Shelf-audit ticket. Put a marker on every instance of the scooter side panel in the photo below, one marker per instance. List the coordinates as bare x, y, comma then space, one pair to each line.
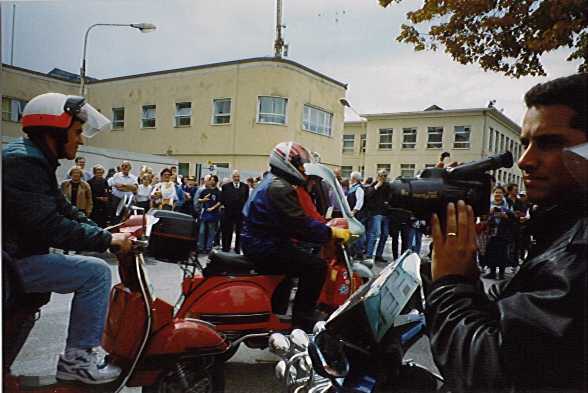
237, 295
186, 336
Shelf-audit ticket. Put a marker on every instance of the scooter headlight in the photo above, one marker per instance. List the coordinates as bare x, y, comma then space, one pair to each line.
299, 339
279, 344
280, 370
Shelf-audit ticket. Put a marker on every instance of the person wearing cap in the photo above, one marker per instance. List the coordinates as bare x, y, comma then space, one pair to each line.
37, 216
528, 334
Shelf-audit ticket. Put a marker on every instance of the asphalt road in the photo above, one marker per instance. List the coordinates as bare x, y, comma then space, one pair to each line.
250, 370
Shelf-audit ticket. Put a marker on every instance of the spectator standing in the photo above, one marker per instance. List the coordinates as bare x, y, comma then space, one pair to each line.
143, 195
233, 197
78, 191
179, 192
377, 206
100, 197
81, 163
400, 225
500, 234
520, 211
163, 195
210, 200
356, 199
123, 184
441, 162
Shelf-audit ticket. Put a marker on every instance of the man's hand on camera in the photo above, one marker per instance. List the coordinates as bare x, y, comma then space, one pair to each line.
121, 242
454, 251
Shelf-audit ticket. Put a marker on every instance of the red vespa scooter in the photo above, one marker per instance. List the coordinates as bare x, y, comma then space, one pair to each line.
232, 295
155, 349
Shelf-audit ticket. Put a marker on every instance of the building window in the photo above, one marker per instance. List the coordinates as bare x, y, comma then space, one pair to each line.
427, 166
118, 118
183, 114
148, 119
511, 146
221, 164
362, 143
435, 137
407, 170
346, 171
184, 168
383, 166
348, 142
362, 170
272, 110
461, 137
409, 136
317, 121
221, 111
491, 140
12, 109
385, 138
501, 150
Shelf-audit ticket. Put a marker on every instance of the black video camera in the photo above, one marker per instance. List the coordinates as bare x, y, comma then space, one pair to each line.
436, 187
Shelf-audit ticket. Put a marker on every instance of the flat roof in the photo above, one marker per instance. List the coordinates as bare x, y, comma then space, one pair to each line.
197, 67
434, 113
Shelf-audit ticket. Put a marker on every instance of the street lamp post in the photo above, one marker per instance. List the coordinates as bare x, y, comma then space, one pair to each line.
363, 120
143, 27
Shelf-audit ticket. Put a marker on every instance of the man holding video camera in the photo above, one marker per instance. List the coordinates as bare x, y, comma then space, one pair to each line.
529, 333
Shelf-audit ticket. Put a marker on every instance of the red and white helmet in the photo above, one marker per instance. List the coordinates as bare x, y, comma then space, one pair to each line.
289, 157
56, 110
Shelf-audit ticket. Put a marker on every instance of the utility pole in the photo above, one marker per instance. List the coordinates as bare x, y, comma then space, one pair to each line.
279, 45
12, 39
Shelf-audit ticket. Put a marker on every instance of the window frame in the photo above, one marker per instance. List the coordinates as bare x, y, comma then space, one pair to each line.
380, 135
469, 141
405, 144
412, 167
143, 118
348, 150
259, 113
362, 143
216, 115
387, 167
115, 121
429, 133
179, 117
346, 170
9, 116
329, 121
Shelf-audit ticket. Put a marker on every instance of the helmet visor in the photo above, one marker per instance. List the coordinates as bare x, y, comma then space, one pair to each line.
575, 159
94, 121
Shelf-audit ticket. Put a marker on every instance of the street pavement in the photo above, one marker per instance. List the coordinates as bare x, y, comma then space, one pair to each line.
250, 370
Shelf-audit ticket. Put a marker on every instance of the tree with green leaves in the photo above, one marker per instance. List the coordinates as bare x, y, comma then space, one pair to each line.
507, 36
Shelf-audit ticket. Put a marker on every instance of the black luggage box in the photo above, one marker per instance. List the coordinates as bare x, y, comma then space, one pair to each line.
173, 237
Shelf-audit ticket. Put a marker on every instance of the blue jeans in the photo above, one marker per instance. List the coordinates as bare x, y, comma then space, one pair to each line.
415, 239
377, 232
88, 278
206, 235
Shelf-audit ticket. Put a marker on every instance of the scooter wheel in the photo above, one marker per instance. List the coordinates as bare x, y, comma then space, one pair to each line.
191, 378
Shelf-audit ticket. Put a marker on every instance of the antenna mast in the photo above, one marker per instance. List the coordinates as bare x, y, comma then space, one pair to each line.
279, 45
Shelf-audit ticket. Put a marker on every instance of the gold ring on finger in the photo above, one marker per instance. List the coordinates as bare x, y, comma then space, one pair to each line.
451, 234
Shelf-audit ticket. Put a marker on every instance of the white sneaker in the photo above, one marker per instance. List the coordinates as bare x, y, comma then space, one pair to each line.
85, 366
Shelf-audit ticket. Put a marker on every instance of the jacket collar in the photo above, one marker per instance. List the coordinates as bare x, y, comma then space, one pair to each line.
48, 154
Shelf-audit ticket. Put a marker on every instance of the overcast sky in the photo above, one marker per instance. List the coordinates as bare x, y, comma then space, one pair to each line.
352, 41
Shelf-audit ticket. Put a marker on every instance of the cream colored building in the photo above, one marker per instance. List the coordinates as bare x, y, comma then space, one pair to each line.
405, 143
231, 114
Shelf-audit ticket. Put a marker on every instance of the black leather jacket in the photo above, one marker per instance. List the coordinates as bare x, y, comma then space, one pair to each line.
529, 333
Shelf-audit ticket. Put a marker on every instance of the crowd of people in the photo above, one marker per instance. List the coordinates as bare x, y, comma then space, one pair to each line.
215, 205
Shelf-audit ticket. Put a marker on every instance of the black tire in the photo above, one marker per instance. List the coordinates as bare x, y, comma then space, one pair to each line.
225, 356
200, 380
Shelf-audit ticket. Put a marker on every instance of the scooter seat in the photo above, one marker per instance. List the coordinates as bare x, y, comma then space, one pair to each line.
226, 263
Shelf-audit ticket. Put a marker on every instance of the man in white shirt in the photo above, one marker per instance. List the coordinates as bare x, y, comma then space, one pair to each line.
355, 198
123, 183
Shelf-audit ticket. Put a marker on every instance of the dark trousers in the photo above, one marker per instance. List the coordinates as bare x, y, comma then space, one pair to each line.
404, 231
230, 224
309, 269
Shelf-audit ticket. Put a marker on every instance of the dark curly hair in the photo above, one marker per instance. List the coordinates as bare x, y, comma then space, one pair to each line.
571, 91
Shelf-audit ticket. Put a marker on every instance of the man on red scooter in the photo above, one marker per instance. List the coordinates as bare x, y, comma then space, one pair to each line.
272, 217
36, 216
